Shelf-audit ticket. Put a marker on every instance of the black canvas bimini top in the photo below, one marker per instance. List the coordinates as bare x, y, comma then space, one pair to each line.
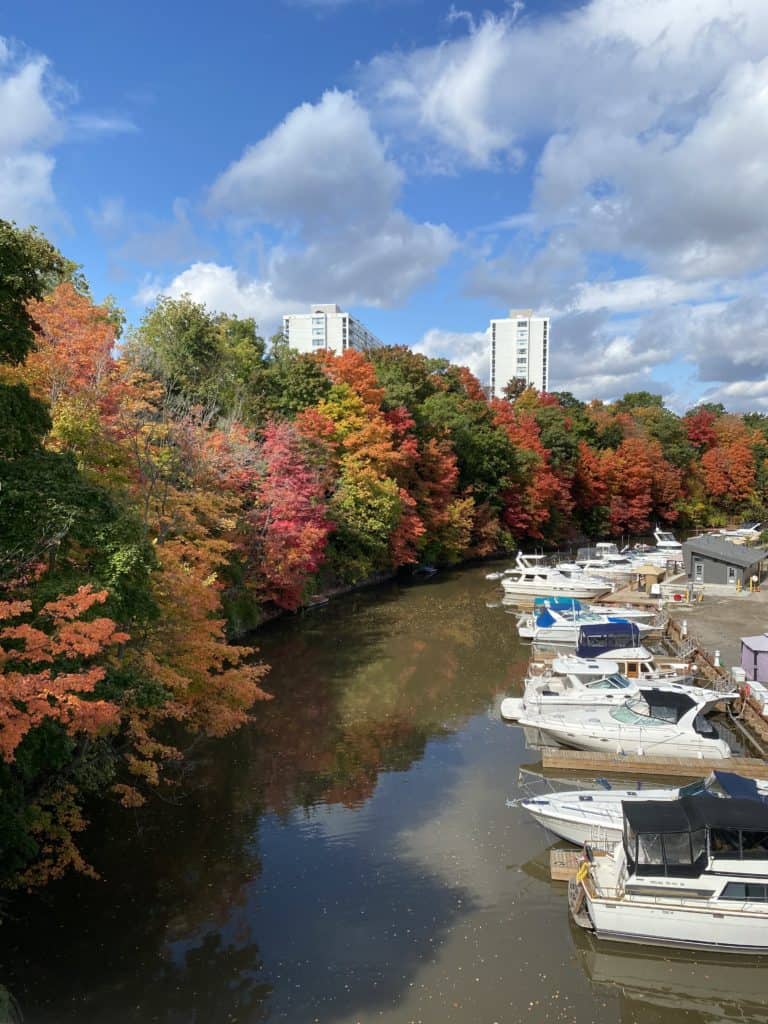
691, 813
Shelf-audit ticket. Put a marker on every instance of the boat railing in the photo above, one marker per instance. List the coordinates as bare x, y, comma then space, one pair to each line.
673, 900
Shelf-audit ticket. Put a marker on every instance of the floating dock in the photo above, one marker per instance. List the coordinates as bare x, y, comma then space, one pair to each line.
563, 864
688, 767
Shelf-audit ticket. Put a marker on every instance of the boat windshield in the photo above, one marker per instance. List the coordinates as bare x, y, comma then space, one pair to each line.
665, 538
626, 716
614, 682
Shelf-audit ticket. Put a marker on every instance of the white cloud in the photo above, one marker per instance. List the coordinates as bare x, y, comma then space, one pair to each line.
358, 266
322, 167
644, 124
223, 290
35, 117
29, 126
471, 348
323, 181
639, 293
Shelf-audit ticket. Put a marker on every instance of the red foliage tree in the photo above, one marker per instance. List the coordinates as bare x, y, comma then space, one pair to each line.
700, 428
289, 518
528, 506
729, 474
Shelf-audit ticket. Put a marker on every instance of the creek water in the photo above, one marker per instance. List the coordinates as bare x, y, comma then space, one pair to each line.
349, 857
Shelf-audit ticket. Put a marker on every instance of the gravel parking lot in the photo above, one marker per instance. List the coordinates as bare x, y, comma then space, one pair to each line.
723, 617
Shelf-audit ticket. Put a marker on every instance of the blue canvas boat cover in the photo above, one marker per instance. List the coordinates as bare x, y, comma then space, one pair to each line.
739, 787
544, 620
600, 638
559, 604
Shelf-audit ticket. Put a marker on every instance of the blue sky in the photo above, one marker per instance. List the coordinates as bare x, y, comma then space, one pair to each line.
426, 165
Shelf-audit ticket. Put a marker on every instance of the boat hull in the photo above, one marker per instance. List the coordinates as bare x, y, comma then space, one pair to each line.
534, 589
576, 832
678, 926
629, 742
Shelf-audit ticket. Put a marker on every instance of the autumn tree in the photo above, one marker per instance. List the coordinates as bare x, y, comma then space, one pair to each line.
289, 519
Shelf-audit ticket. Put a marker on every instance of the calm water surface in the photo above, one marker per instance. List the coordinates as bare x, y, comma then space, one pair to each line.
350, 857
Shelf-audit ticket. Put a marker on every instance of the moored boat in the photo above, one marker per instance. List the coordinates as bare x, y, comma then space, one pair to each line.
595, 815
531, 577
553, 626
691, 873
657, 726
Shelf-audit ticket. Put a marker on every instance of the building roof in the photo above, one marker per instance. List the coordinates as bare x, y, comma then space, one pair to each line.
725, 551
756, 643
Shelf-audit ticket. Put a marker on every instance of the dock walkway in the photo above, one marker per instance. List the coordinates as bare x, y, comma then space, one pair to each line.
687, 767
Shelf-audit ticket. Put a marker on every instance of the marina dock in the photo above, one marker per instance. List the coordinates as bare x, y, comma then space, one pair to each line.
686, 767
563, 864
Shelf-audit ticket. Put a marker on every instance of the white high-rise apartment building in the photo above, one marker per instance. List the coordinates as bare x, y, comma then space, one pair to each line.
519, 348
326, 328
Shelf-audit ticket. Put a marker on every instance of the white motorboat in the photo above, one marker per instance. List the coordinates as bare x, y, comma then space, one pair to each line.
603, 568
632, 662
532, 577
691, 873
595, 815
573, 604
561, 692
667, 543
623, 611
551, 626
643, 726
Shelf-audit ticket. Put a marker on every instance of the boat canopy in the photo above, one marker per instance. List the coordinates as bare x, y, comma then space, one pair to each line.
559, 604
739, 787
671, 837
545, 619
600, 638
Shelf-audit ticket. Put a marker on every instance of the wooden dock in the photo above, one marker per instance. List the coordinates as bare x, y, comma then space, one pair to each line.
563, 864
688, 767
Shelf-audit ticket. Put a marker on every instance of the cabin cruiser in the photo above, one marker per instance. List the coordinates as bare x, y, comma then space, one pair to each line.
615, 570
595, 816
691, 872
666, 543
564, 693
623, 611
632, 662
659, 724
550, 626
532, 576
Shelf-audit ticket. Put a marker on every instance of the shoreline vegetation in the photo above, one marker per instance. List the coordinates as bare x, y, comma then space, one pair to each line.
166, 488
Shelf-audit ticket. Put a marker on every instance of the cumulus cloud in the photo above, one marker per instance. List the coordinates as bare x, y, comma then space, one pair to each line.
470, 348
36, 116
29, 127
322, 166
641, 126
323, 181
223, 290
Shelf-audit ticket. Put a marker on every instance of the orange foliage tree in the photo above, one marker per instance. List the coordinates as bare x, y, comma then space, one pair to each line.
50, 667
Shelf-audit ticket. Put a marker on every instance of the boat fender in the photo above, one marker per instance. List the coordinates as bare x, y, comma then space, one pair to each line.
677, 597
